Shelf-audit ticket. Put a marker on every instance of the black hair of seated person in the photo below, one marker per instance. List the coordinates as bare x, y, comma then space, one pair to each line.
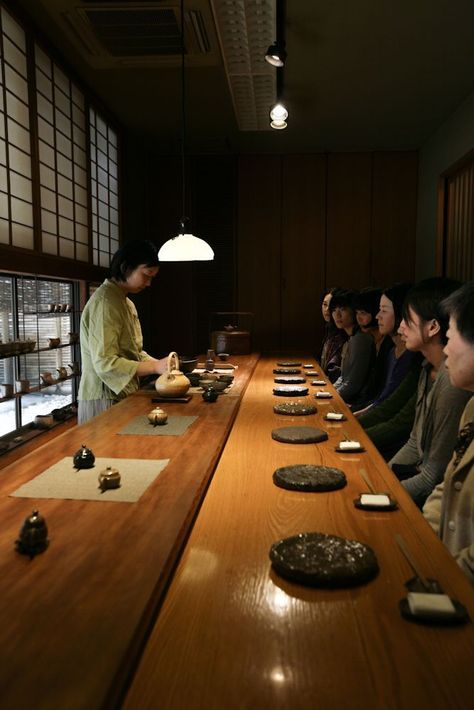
331, 326
460, 306
343, 297
397, 294
368, 300
130, 256
425, 299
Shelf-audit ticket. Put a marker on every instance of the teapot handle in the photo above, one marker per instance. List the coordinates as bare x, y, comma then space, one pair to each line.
173, 356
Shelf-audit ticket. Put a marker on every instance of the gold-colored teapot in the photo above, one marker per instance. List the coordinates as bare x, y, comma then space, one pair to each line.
157, 416
172, 383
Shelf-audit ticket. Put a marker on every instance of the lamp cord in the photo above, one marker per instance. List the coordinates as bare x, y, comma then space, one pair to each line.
183, 121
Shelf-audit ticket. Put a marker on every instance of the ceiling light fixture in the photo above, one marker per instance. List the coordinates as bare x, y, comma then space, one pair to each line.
185, 246
276, 55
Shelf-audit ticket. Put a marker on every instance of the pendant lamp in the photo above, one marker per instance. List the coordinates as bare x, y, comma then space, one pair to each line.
185, 246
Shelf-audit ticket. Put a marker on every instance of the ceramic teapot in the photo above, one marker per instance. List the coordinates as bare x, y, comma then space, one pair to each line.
157, 416
33, 537
109, 478
62, 371
54, 342
83, 458
172, 383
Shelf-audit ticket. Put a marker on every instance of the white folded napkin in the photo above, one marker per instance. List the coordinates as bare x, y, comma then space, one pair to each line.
349, 445
377, 499
337, 416
323, 395
423, 603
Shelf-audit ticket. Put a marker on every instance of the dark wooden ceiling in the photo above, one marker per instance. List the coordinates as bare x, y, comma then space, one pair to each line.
365, 75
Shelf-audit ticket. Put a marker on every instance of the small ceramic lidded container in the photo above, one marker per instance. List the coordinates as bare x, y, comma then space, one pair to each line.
54, 342
109, 478
83, 458
172, 383
157, 416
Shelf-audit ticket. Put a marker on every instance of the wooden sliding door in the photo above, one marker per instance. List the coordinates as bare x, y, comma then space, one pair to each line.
456, 221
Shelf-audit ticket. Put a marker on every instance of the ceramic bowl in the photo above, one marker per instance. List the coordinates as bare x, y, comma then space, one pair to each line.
187, 363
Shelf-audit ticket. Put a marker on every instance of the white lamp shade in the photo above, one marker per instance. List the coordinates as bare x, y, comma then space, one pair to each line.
185, 247
278, 113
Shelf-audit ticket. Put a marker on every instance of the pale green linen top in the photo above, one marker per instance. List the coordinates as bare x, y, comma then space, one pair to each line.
111, 345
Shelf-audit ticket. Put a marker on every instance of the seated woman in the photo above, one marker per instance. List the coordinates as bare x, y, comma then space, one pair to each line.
389, 423
450, 508
420, 464
357, 352
367, 304
333, 340
399, 359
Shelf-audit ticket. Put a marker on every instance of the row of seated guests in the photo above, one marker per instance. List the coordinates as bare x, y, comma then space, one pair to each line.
391, 369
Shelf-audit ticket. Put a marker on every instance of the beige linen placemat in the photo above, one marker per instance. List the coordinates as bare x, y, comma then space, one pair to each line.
62, 480
175, 426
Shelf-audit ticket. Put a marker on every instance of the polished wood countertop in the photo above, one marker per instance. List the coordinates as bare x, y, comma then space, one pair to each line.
232, 634
74, 619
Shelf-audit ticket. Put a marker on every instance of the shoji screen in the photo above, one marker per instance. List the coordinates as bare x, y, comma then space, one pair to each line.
63, 161
104, 189
16, 210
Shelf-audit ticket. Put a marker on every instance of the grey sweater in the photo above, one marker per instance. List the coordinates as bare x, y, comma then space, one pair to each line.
438, 410
357, 357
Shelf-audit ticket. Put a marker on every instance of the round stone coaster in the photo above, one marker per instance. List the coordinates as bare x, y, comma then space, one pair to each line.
299, 435
289, 380
290, 390
306, 477
320, 560
296, 408
287, 371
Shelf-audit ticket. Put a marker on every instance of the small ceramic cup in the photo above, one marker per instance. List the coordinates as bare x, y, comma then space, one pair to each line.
22, 386
6, 389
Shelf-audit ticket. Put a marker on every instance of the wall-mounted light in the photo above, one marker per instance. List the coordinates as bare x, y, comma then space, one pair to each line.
185, 246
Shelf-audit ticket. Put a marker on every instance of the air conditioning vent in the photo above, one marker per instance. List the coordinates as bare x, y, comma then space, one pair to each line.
126, 33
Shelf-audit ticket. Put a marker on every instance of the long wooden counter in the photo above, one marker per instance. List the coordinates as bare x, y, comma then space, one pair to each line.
75, 618
233, 634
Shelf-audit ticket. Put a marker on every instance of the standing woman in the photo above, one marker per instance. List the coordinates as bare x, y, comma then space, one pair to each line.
333, 341
112, 352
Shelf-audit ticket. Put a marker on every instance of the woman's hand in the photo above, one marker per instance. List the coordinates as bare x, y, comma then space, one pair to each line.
152, 366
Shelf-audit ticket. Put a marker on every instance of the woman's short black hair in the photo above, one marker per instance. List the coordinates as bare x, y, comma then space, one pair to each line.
397, 294
343, 297
368, 300
130, 256
460, 305
425, 300
332, 290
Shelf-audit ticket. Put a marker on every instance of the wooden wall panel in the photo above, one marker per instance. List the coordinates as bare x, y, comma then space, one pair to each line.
348, 219
259, 246
394, 195
303, 250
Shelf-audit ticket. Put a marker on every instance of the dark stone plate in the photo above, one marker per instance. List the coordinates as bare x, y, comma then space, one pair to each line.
289, 379
288, 364
320, 560
287, 371
296, 408
290, 391
306, 477
299, 435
